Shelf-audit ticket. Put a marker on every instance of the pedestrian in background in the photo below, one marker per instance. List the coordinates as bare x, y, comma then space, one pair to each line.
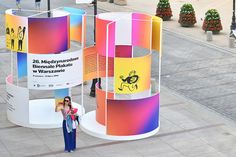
18, 4
37, 4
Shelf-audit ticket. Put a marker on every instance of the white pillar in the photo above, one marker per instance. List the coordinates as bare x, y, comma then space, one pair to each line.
209, 35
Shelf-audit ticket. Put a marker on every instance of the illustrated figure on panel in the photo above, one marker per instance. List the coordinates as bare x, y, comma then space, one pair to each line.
20, 36
69, 124
12, 35
8, 38
130, 81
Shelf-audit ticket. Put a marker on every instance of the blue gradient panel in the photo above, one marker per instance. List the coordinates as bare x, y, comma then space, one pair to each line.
21, 64
75, 15
61, 93
76, 20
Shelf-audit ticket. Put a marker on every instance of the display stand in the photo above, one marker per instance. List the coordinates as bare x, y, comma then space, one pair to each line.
45, 61
126, 107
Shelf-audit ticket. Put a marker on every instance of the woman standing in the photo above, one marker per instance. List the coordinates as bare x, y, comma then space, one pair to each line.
69, 131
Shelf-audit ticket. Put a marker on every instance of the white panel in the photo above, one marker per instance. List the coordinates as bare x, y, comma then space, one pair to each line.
59, 13
124, 30
18, 103
55, 71
43, 115
83, 1
114, 16
123, 26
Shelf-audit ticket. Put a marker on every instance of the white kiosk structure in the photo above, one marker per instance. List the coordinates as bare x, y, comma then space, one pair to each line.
44, 60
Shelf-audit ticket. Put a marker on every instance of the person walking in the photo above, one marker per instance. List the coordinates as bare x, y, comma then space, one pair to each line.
37, 4
69, 130
18, 4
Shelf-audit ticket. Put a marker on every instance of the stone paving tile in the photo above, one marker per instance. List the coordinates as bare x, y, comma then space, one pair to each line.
4, 123
53, 155
104, 152
167, 99
218, 138
12, 144
29, 150
197, 151
183, 118
2, 147
17, 134
2, 100
167, 154
167, 126
213, 154
92, 141
5, 154
230, 153
45, 133
56, 143
83, 153
151, 146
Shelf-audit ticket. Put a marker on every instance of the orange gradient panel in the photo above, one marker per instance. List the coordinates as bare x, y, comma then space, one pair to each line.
91, 70
90, 63
100, 101
16, 33
141, 30
101, 25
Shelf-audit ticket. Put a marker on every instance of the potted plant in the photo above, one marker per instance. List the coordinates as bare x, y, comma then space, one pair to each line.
212, 21
187, 16
163, 10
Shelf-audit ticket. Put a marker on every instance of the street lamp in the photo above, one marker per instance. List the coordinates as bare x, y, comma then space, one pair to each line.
233, 24
49, 8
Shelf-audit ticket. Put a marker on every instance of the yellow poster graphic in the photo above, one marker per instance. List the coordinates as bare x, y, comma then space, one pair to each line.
132, 75
156, 33
16, 33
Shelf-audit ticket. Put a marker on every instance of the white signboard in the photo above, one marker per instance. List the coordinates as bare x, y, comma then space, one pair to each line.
55, 71
18, 103
83, 1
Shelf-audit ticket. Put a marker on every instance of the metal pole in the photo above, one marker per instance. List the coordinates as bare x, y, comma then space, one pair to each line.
49, 8
233, 24
95, 80
95, 13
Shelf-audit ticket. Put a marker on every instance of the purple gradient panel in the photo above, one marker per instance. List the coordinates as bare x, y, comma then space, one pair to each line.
49, 35
132, 117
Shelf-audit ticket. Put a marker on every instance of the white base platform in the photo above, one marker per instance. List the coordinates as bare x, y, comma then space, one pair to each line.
42, 114
90, 126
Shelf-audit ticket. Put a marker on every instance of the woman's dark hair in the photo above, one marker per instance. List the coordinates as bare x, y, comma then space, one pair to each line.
67, 97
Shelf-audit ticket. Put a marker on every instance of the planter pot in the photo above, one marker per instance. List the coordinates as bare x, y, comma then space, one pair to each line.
120, 2
166, 18
186, 25
215, 32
